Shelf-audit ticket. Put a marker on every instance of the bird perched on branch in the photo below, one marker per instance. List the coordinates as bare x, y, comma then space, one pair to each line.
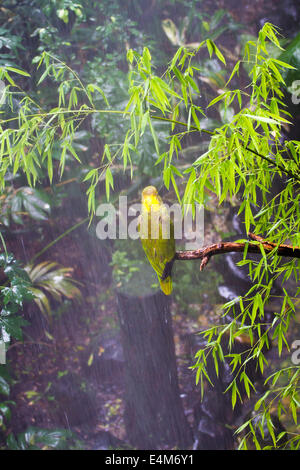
157, 236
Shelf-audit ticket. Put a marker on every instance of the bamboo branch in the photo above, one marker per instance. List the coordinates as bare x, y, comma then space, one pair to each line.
232, 247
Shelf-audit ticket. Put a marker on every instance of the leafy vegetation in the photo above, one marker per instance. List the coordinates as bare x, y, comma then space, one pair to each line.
14, 292
40, 439
48, 278
242, 158
81, 123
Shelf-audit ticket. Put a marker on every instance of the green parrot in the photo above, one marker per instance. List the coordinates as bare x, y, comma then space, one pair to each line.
159, 250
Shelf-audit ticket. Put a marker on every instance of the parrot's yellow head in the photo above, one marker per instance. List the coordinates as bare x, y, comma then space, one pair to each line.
150, 197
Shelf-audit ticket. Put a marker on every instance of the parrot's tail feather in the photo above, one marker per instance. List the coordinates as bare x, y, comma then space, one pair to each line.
166, 285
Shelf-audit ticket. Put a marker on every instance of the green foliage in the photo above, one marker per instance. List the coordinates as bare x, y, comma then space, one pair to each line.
198, 24
10, 42
128, 263
123, 268
14, 293
5, 403
184, 280
283, 390
291, 55
242, 159
24, 284
40, 439
49, 120
48, 278
242, 155
31, 202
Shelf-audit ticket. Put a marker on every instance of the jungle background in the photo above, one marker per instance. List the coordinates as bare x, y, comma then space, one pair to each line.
64, 383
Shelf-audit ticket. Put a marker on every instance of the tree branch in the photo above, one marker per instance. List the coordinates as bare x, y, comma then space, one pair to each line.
276, 165
232, 247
